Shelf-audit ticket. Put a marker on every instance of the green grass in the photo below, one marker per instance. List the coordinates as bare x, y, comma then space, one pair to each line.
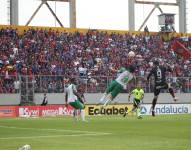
171, 132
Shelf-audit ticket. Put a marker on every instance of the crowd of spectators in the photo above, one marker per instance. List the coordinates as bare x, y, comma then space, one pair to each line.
49, 58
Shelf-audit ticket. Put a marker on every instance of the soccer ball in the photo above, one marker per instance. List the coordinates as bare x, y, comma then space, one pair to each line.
131, 54
25, 147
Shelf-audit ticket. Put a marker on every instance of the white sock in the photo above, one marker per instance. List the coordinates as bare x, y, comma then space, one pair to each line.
106, 102
103, 98
76, 114
134, 109
83, 114
138, 112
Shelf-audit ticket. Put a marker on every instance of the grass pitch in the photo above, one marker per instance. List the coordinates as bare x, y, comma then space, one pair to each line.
171, 132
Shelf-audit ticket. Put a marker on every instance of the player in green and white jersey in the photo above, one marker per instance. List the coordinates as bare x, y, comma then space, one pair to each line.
74, 99
118, 85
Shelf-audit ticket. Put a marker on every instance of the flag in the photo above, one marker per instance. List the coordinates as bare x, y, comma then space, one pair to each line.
181, 50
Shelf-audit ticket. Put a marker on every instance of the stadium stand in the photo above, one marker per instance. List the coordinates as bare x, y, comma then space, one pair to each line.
50, 56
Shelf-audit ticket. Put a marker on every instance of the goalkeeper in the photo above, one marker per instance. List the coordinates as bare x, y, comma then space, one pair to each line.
138, 94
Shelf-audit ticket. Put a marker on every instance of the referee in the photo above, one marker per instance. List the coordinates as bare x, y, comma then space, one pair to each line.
138, 94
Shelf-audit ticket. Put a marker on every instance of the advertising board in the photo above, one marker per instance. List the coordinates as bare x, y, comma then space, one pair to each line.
8, 111
164, 109
117, 109
45, 111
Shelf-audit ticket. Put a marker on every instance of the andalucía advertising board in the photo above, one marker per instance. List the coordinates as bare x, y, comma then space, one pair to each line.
163, 109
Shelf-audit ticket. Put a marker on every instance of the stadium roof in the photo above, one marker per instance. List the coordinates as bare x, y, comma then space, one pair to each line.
57, 0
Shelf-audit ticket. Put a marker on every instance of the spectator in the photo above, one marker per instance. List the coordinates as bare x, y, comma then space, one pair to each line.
45, 100
48, 53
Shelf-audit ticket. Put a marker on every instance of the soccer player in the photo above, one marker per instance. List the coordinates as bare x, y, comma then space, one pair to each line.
117, 85
74, 99
138, 94
159, 73
45, 100
81, 91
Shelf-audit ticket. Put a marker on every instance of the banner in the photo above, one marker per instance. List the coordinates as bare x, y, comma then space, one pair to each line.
118, 109
181, 50
45, 111
164, 109
8, 111
91, 110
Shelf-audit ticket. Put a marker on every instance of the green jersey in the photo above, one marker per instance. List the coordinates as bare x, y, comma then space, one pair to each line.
124, 78
70, 90
138, 94
121, 70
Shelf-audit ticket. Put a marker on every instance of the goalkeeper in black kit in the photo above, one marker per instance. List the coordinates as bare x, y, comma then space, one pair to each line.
159, 73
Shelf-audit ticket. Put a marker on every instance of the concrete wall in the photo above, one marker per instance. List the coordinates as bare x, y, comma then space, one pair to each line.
14, 99
9, 99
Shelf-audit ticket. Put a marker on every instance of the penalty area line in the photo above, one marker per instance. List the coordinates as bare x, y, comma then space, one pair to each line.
54, 136
57, 130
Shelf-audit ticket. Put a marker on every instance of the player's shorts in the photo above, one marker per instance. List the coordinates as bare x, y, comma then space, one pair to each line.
114, 88
77, 105
136, 102
159, 86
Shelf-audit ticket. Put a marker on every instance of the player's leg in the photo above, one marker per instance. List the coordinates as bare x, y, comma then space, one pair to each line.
117, 88
139, 111
136, 104
43, 103
82, 113
46, 103
171, 91
136, 107
108, 90
131, 110
75, 113
102, 98
81, 107
156, 93
108, 99
154, 104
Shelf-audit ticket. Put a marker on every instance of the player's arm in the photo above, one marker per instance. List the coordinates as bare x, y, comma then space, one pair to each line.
76, 93
150, 74
83, 98
130, 95
143, 95
133, 79
122, 69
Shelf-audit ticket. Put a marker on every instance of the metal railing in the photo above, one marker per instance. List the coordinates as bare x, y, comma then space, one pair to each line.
94, 84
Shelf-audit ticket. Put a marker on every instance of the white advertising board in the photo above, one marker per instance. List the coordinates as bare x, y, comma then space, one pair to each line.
163, 109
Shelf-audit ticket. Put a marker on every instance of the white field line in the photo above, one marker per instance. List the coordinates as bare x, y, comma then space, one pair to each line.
60, 130
83, 133
53, 136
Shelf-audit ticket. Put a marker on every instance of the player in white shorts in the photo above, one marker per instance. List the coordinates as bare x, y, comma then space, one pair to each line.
74, 99
117, 85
